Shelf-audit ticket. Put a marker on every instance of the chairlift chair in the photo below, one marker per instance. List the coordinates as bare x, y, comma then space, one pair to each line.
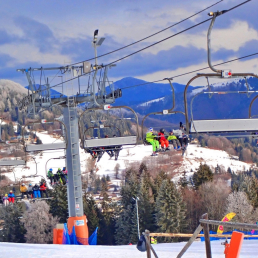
244, 127
108, 142
44, 147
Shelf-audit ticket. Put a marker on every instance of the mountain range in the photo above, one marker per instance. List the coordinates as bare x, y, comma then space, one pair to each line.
146, 97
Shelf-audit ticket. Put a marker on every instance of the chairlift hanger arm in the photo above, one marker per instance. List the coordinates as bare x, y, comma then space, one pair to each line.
250, 106
214, 16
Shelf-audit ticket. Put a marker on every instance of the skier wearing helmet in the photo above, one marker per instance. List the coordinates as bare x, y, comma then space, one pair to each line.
30, 191
50, 176
23, 190
150, 138
5, 200
162, 139
11, 197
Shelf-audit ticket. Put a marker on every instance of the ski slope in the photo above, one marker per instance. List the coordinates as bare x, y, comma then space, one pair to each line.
194, 156
197, 250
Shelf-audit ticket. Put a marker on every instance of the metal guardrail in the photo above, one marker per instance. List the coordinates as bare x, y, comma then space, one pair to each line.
204, 225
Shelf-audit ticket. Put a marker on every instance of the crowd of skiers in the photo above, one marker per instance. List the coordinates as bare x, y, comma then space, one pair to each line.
60, 177
160, 141
36, 191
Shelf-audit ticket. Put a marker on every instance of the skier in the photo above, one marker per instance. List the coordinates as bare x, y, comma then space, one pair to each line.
51, 176
173, 139
59, 177
43, 189
36, 191
117, 149
150, 138
162, 139
64, 171
11, 197
185, 143
109, 150
30, 191
24, 190
5, 200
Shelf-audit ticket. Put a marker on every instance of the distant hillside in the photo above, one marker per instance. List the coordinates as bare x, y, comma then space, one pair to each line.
156, 97
10, 93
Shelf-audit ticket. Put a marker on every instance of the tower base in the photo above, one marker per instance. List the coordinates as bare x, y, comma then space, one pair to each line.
81, 228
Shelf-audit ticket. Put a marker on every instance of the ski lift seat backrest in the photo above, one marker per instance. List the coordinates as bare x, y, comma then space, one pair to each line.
13, 162
45, 147
224, 125
104, 142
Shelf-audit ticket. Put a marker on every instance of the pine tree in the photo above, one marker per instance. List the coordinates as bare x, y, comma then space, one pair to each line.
126, 226
107, 221
92, 212
59, 203
170, 209
203, 174
183, 182
12, 228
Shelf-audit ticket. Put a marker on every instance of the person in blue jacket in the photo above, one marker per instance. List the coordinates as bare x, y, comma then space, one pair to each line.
36, 191
11, 197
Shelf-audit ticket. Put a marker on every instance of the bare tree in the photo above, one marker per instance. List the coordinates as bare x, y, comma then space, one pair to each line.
39, 223
214, 198
116, 168
238, 202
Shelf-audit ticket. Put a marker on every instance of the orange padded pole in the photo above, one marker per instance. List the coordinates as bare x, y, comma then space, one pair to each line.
57, 236
235, 245
81, 228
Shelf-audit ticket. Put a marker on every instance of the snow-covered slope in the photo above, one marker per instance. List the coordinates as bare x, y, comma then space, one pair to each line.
197, 250
194, 156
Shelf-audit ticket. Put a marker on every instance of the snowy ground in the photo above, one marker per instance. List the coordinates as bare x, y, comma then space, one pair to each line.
197, 250
194, 156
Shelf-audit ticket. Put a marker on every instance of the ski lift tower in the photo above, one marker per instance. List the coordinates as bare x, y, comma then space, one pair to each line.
39, 97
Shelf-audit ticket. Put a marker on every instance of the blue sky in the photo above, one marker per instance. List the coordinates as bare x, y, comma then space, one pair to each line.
57, 32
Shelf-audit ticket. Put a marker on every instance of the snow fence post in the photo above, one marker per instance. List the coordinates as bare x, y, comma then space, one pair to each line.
206, 236
147, 237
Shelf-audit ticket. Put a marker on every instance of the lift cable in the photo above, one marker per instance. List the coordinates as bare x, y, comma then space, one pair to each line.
179, 75
151, 44
154, 34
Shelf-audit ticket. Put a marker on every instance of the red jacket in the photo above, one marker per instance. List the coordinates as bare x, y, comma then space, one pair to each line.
161, 137
43, 187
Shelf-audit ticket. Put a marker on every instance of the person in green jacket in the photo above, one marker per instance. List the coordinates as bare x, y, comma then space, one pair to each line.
173, 139
150, 137
51, 176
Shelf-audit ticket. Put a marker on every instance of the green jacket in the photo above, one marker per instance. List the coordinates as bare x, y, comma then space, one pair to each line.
150, 136
171, 137
50, 174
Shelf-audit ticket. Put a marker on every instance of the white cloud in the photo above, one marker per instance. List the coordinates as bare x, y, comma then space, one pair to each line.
248, 66
23, 53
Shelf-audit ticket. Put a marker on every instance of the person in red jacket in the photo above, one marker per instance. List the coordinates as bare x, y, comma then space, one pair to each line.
43, 189
162, 140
